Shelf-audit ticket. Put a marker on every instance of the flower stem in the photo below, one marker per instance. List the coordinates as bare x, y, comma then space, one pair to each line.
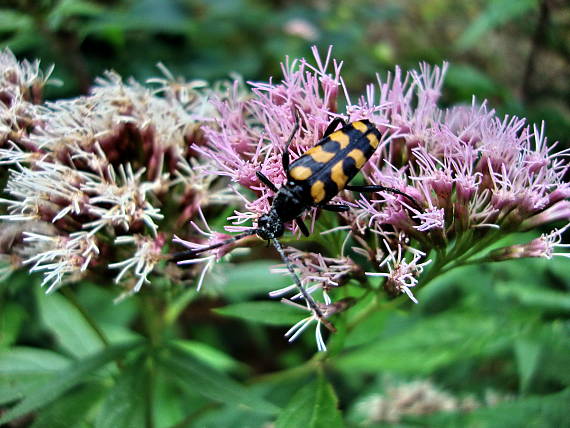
151, 321
178, 305
148, 393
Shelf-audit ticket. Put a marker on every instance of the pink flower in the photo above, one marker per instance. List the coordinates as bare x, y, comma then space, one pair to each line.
451, 177
148, 253
327, 309
543, 247
316, 272
402, 274
213, 239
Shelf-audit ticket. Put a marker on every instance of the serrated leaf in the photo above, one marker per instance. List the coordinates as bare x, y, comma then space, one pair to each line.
124, 406
314, 406
197, 377
62, 380
24, 369
71, 410
269, 313
69, 327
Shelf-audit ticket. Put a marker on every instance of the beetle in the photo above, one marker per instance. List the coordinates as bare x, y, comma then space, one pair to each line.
313, 179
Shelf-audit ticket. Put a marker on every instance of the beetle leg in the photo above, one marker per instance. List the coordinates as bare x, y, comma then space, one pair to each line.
377, 188
310, 301
338, 208
332, 126
285, 156
265, 180
302, 226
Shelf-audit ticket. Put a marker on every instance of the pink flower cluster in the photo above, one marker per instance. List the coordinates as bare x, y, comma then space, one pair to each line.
476, 177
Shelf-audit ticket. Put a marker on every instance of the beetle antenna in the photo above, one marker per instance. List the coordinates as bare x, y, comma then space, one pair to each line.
310, 301
176, 257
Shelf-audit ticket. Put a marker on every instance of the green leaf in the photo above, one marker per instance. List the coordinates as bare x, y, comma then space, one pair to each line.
24, 369
248, 279
498, 12
193, 375
370, 329
11, 317
561, 268
226, 416
125, 404
314, 406
528, 358
537, 412
169, 405
98, 302
554, 338
430, 343
28, 360
269, 313
144, 16
211, 356
71, 409
535, 297
66, 9
68, 325
12, 21
465, 80
63, 380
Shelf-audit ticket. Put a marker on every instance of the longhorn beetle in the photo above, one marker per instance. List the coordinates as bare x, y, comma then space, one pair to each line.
313, 180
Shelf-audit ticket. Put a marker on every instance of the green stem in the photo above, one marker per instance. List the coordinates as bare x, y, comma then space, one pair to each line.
152, 322
68, 293
436, 268
376, 305
485, 242
364, 313
154, 325
148, 395
178, 305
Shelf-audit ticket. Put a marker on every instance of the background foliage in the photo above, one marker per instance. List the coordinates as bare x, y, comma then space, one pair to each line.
490, 339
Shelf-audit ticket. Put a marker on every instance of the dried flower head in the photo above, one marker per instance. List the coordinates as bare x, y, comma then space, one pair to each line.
98, 169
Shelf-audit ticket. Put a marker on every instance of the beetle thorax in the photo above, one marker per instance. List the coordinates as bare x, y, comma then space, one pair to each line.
289, 202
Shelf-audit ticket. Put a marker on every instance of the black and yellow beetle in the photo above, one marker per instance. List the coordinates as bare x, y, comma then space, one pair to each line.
313, 180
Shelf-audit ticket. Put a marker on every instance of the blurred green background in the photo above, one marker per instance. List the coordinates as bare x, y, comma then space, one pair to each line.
502, 328
516, 53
